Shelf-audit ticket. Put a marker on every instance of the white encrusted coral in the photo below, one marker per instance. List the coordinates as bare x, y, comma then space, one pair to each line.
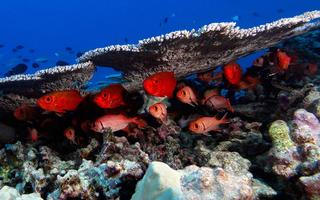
187, 52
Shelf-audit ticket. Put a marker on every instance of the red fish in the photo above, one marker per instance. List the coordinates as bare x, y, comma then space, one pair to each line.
85, 126
248, 82
115, 122
232, 73
311, 69
60, 101
70, 134
111, 96
203, 125
159, 111
294, 59
205, 77
209, 93
26, 113
258, 62
160, 84
187, 95
218, 103
33, 134
208, 77
283, 60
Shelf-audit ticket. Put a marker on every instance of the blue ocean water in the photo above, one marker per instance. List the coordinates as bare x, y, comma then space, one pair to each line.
46, 28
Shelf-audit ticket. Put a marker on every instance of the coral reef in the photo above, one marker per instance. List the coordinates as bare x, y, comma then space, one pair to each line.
187, 52
9, 193
24, 167
119, 164
306, 46
266, 145
7, 134
162, 182
107, 177
311, 185
24, 89
295, 149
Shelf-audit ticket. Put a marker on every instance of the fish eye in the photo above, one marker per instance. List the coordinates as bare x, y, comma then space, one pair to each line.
196, 125
184, 93
104, 95
156, 108
48, 99
155, 81
68, 133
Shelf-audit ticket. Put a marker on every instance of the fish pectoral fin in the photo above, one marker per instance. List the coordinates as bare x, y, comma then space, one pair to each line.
59, 114
126, 129
219, 130
207, 134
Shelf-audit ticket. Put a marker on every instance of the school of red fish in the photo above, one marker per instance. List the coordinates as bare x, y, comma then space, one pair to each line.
111, 108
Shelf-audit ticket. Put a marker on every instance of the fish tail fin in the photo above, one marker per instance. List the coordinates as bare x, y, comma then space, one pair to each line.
140, 122
229, 106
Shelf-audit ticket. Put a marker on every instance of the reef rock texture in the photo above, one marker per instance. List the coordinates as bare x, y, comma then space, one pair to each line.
23, 89
295, 151
188, 52
26, 167
311, 185
114, 173
162, 182
84, 182
7, 134
9, 193
306, 46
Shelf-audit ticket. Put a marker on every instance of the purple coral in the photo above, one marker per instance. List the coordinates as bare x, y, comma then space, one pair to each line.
306, 127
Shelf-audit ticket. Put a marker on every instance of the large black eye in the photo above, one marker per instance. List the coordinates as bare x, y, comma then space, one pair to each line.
196, 125
104, 95
184, 93
156, 108
48, 99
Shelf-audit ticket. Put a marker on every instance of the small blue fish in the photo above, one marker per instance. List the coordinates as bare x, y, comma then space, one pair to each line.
235, 18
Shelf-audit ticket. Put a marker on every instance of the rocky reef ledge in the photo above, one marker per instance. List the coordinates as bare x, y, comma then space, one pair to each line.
188, 52
184, 52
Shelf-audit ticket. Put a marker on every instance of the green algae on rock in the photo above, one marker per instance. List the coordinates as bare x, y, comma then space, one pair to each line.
279, 133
